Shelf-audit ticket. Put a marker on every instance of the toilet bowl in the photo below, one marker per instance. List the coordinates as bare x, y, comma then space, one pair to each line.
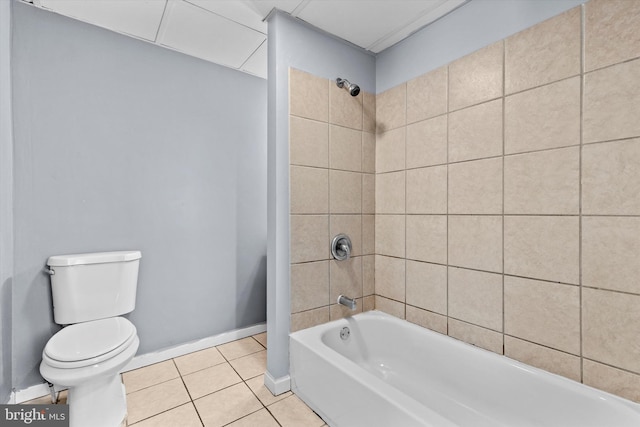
87, 358
90, 294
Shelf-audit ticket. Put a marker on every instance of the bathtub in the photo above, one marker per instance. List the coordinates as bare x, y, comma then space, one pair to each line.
390, 373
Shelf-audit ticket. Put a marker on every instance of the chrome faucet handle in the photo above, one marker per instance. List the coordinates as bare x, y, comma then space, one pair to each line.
341, 247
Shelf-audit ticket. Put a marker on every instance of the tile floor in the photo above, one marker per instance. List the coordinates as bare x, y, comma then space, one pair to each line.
215, 387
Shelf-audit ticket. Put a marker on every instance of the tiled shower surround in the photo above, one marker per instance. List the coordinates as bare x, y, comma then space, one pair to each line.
507, 197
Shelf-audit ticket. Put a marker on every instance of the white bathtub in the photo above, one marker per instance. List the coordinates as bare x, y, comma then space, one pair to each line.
391, 373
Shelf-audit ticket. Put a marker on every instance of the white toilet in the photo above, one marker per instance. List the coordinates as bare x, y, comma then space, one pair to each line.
89, 292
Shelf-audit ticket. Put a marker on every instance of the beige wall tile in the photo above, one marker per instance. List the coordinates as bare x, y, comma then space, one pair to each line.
344, 109
309, 285
427, 142
368, 234
351, 225
541, 357
613, 380
542, 247
308, 142
476, 77
427, 238
544, 53
369, 303
346, 278
309, 190
310, 318
476, 132
390, 235
611, 178
543, 312
309, 238
612, 32
476, 187
391, 109
368, 275
390, 150
368, 152
369, 112
476, 242
427, 286
545, 182
475, 297
308, 95
368, 193
476, 335
611, 328
427, 319
427, 95
427, 190
391, 307
345, 148
390, 192
612, 102
610, 248
541, 118
390, 278
345, 192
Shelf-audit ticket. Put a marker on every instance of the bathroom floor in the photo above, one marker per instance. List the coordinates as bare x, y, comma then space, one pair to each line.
218, 386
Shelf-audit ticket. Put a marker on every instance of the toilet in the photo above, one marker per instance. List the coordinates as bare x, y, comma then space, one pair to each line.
90, 292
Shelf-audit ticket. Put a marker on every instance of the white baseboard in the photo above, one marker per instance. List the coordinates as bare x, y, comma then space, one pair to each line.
143, 360
277, 385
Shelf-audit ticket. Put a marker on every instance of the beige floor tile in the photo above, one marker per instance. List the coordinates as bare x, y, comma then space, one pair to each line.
239, 348
292, 412
156, 399
256, 385
210, 380
149, 375
183, 416
198, 360
225, 406
262, 418
251, 365
261, 338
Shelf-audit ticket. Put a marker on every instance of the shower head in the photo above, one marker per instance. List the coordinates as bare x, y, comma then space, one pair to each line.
353, 89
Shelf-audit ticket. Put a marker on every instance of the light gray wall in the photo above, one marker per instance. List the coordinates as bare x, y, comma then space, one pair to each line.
474, 25
6, 191
294, 44
120, 144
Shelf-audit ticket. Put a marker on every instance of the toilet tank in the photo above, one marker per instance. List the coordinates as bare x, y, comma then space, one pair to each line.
94, 285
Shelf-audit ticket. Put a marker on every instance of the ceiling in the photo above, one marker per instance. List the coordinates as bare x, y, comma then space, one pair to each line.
232, 32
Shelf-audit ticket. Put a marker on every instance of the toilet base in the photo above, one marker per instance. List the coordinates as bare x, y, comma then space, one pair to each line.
98, 403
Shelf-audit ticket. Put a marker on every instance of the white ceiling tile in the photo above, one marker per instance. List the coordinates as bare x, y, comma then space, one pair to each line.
206, 35
140, 18
257, 63
238, 11
362, 22
263, 7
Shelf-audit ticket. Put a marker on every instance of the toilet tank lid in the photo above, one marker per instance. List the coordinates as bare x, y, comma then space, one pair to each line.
93, 258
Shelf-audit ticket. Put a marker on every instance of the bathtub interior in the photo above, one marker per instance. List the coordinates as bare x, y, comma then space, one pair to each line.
462, 383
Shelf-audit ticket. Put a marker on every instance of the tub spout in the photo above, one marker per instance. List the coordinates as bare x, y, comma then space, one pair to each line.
350, 303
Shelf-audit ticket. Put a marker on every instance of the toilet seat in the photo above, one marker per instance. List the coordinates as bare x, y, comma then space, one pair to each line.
88, 343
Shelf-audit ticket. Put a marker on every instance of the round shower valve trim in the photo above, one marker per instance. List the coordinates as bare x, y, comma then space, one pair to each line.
341, 247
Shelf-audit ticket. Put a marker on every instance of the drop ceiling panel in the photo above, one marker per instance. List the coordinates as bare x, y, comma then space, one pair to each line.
363, 22
263, 7
257, 63
140, 18
200, 33
238, 11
